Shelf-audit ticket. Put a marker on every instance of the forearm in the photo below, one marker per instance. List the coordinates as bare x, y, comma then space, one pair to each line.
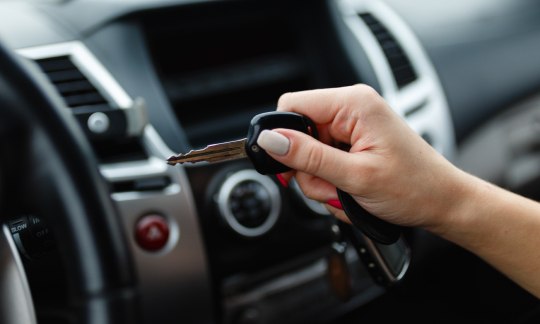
500, 227
397, 176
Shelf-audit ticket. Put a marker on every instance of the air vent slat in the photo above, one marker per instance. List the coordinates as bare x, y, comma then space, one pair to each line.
397, 63
395, 53
55, 64
63, 76
400, 64
84, 100
111, 144
378, 30
76, 86
71, 83
369, 19
390, 46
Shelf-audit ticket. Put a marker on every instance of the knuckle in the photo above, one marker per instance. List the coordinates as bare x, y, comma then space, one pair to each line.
368, 99
314, 159
363, 93
284, 100
365, 89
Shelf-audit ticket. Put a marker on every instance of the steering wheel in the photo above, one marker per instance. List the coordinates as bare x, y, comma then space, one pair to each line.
47, 166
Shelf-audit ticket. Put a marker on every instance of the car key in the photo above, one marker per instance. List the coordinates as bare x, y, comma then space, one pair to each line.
373, 227
248, 147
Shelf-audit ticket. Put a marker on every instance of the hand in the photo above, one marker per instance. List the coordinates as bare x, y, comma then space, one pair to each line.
397, 176
388, 169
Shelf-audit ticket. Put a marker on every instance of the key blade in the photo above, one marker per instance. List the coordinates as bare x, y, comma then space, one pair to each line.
212, 153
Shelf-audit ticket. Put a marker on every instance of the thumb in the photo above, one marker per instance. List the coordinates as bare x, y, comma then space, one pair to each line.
304, 153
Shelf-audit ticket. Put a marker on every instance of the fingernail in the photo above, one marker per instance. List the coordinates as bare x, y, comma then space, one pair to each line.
273, 142
335, 203
282, 180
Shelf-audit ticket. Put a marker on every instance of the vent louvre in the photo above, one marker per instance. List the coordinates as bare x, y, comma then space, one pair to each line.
72, 85
400, 64
84, 90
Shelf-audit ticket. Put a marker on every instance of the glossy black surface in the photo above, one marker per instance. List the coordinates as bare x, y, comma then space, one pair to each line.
262, 162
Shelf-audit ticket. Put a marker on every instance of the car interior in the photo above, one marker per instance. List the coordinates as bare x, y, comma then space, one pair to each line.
96, 95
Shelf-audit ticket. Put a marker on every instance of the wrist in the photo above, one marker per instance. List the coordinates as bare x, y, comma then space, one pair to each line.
462, 199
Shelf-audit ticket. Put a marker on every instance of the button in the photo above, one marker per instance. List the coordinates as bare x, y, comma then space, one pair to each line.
152, 232
98, 123
249, 203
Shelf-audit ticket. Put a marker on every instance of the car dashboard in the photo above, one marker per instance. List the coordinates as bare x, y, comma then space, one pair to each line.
149, 79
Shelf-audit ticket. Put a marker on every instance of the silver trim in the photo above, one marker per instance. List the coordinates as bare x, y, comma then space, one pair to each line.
381, 262
89, 66
165, 275
97, 74
16, 306
181, 265
136, 117
98, 122
434, 118
223, 202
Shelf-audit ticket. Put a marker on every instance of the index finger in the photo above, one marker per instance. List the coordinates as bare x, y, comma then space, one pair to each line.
337, 110
320, 105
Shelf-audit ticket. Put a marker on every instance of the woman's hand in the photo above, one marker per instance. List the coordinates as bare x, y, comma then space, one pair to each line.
387, 167
398, 177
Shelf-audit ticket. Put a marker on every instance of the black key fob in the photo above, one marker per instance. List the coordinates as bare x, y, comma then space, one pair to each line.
386, 263
373, 227
262, 162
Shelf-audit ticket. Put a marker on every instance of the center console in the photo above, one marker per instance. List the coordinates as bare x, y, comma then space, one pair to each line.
220, 242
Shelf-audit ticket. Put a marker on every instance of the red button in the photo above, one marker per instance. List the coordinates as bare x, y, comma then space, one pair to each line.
152, 232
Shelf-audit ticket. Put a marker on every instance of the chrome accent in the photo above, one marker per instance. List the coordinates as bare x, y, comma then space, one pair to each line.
95, 72
434, 118
16, 306
223, 202
89, 66
383, 265
136, 117
98, 123
181, 265
165, 275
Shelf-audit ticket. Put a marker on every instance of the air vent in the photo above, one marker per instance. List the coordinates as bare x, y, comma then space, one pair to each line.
73, 86
111, 141
400, 64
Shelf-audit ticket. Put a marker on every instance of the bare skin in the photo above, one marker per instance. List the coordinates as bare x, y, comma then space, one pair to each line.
397, 176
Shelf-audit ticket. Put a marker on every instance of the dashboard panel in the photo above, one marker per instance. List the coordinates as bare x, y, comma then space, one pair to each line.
146, 79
